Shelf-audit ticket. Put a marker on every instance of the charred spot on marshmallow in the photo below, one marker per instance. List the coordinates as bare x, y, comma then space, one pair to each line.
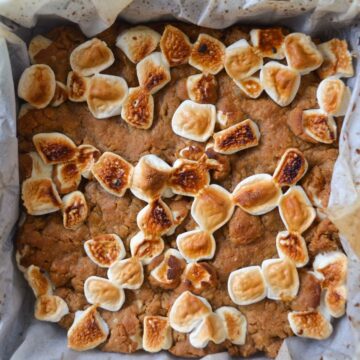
74, 209
296, 210
291, 168
187, 310
188, 177
153, 72
301, 53
196, 245
268, 42
105, 95
335, 301
50, 308
38, 281
54, 148
202, 88
150, 177
87, 331
212, 207
155, 219
103, 293
207, 54
337, 59
319, 126
60, 95
105, 250
333, 96
40, 196
247, 285
37, 44
242, 60
257, 194
310, 324
91, 57
138, 108
37, 85
127, 273
251, 87
211, 328
280, 82
138, 42
145, 248
281, 278
175, 46
194, 121
86, 158
157, 334
199, 276
238, 137
78, 86
113, 173
292, 245
66, 177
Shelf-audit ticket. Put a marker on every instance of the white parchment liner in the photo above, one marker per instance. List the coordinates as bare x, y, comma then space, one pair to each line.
22, 337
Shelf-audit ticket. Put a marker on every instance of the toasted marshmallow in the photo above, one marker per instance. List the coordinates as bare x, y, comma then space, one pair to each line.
78, 86
247, 285
301, 53
211, 328
223, 118
187, 311
257, 194
86, 158
191, 152
37, 44
38, 281
60, 96
104, 293
138, 42
337, 59
242, 60
207, 54
319, 125
188, 177
180, 211
74, 209
202, 88
146, 248
212, 208
293, 246
50, 308
168, 272
196, 245
155, 218
157, 334
333, 96
235, 324
199, 275
138, 108
331, 267
113, 173
281, 278
40, 196
38, 168
37, 85
335, 301
105, 95
268, 42
153, 72
127, 273
194, 121
238, 137
105, 250
24, 109
251, 87
66, 177
54, 148
280, 82
87, 331
296, 210
291, 168
91, 57
310, 324
150, 178
175, 46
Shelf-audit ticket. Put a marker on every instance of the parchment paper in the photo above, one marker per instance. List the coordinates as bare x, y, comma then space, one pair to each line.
22, 337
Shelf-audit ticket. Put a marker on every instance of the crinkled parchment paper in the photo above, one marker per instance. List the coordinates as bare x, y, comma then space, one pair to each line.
22, 337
